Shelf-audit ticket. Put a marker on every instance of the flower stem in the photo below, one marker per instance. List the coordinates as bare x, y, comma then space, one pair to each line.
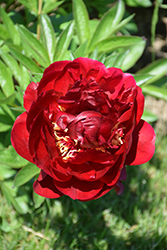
39, 13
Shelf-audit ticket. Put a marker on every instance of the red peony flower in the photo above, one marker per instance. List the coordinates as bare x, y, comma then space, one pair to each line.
82, 125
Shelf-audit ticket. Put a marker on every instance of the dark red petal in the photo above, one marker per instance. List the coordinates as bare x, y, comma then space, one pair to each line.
44, 186
20, 137
143, 144
43, 101
30, 95
80, 190
113, 175
59, 77
102, 192
139, 105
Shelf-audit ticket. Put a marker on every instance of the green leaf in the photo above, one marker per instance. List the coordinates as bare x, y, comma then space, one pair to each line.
81, 20
29, 52
108, 22
122, 23
38, 200
158, 92
6, 82
12, 64
6, 172
158, 69
9, 157
34, 43
25, 78
29, 5
94, 54
119, 60
115, 42
26, 174
149, 116
142, 78
132, 56
27, 62
8, 100
9, 197
50, 5
3, 33
7, 116
110, 60
138, 3
10, 27
48, 35
63, 42
80, 51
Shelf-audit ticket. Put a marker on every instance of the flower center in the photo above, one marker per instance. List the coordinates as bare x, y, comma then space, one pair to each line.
67, 147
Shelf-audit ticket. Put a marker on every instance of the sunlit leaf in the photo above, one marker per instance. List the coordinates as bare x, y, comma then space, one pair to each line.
81, 20
115, 42
158, 69
142, 78
26, 174
9, 157
155, 91
3, 33
122, 23
38, 200
9, 197
8, 100
12, 64
27, 62
31, 5
63, 42
6, 82
10, 27
48, 35
108, 22
50, 5
34, 43
80, 51
132, 56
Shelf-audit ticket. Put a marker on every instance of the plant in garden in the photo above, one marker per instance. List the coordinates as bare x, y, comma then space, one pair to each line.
81, 126
24, 55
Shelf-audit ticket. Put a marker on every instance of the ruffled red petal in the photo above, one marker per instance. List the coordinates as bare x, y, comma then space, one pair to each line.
80, 190
44, 186
20, 137
143, 144
30, 95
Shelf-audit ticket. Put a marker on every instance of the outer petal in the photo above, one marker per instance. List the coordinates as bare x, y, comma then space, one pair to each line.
45, 187
20, 137
80, 190
30, 95
90, 68
143, 144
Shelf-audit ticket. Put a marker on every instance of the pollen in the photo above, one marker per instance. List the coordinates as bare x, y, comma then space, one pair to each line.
66, 146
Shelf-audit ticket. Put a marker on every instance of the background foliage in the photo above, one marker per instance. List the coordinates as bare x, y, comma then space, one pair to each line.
33, 34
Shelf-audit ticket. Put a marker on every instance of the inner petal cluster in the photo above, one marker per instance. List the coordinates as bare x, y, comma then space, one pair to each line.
87, 120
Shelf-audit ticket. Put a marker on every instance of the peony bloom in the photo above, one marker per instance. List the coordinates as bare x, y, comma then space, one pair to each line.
81, 126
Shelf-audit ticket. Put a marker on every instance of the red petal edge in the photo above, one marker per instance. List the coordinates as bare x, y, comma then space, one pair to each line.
143, 145
45, 187
20, 137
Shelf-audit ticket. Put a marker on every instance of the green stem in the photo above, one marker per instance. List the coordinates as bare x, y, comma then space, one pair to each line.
153, 25
39, 14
